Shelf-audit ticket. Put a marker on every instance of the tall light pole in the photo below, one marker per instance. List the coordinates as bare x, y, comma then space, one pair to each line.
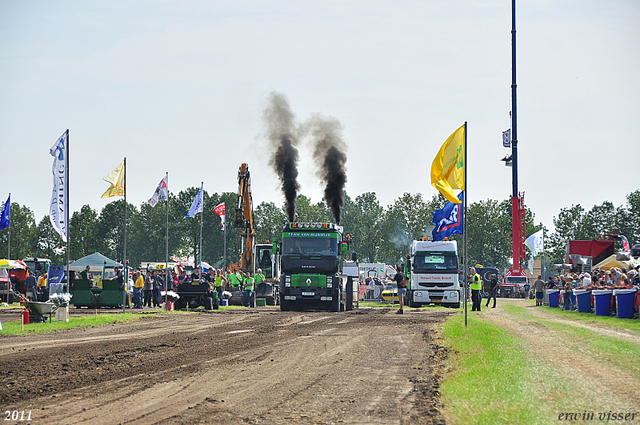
517, 201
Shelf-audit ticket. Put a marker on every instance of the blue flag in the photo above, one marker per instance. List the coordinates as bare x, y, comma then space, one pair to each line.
448, 220
5, 216
196, 206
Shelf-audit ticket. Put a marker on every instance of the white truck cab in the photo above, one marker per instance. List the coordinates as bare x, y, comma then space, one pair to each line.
434, 274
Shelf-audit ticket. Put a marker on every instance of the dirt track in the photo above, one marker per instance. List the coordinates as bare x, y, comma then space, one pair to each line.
241, 366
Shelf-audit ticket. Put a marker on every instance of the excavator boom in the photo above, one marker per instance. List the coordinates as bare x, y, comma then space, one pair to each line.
244, 218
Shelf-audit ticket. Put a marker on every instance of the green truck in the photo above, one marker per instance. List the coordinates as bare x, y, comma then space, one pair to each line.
312, 256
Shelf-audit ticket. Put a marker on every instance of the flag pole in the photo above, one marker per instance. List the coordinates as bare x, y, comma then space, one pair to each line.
201, 220
166, 248
544, 266
9, 235
465, 231
66, 207
224, 261
9, 240
126, 272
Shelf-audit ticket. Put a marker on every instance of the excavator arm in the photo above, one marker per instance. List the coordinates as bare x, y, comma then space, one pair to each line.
244, 218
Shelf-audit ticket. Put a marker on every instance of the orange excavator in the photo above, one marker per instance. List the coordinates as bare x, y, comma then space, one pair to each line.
268, 258
244, 221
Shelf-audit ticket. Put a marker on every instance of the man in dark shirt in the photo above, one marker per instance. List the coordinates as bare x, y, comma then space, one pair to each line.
493, 290
84, 274
401, 280
119, 277
31, 284
538, 285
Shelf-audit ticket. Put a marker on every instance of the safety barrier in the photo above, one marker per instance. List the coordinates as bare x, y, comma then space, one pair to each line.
622, 303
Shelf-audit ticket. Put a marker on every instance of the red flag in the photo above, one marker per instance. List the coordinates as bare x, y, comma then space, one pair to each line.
219, 209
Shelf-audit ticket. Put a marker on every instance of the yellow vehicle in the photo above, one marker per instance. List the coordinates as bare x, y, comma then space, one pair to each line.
390, 294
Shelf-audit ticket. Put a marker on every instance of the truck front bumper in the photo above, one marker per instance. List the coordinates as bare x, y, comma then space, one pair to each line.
307, 294
436, 296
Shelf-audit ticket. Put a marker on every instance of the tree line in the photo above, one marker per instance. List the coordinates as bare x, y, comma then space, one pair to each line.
379, 234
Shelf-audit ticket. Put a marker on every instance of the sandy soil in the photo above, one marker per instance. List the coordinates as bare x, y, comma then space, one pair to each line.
242, 366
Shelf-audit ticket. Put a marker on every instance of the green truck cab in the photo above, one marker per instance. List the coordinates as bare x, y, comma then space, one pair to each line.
311, 258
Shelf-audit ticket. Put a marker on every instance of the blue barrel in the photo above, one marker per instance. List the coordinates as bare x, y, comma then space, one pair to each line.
584, 300
624, 303
554, 297
224, 303
602, 301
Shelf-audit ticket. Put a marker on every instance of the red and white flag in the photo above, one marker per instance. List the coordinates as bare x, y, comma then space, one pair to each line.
162, 191
219, 209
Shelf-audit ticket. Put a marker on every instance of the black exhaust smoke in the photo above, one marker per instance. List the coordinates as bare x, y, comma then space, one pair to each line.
330, 157
281, 133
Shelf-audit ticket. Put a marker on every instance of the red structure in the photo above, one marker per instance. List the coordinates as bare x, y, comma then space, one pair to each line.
518, 231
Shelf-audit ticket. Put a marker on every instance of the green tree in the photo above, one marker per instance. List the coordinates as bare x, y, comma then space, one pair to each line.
600, 220
188, 228
268, 220
50, 243
212, 234
110, 229
83, 228
628, 218
569, 225
489, 233
24, 234
308, 212
363, 219
405, 221
146, 234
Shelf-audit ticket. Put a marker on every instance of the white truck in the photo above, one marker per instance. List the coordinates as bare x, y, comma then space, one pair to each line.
434, 274
379, 271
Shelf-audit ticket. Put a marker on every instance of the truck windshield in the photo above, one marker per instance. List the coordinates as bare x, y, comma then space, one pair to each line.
310, 246
435, 261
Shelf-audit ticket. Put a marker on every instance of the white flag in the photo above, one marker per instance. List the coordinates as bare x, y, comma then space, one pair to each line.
196, 206
535, 242
531, 264
58, 206
506, 138
161, 193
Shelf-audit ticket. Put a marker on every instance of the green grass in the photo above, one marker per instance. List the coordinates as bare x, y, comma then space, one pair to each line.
489, 382
614, 352
495, 377
590, 318
14, 328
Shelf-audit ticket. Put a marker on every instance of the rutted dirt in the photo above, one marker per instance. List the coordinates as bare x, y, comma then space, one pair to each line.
242, 366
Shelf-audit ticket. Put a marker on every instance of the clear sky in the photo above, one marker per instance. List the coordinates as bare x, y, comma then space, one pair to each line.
180, 86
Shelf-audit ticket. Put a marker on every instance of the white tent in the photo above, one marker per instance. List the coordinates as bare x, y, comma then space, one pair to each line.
95, 261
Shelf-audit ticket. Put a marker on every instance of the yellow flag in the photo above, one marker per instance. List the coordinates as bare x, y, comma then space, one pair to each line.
447, 170
116, 178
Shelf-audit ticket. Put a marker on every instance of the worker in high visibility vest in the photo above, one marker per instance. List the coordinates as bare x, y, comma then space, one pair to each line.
476, 286
235, 279
249, 281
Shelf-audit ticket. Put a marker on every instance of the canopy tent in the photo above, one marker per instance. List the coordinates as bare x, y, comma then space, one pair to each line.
611, 262
12, 264
206, 267
95, 261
